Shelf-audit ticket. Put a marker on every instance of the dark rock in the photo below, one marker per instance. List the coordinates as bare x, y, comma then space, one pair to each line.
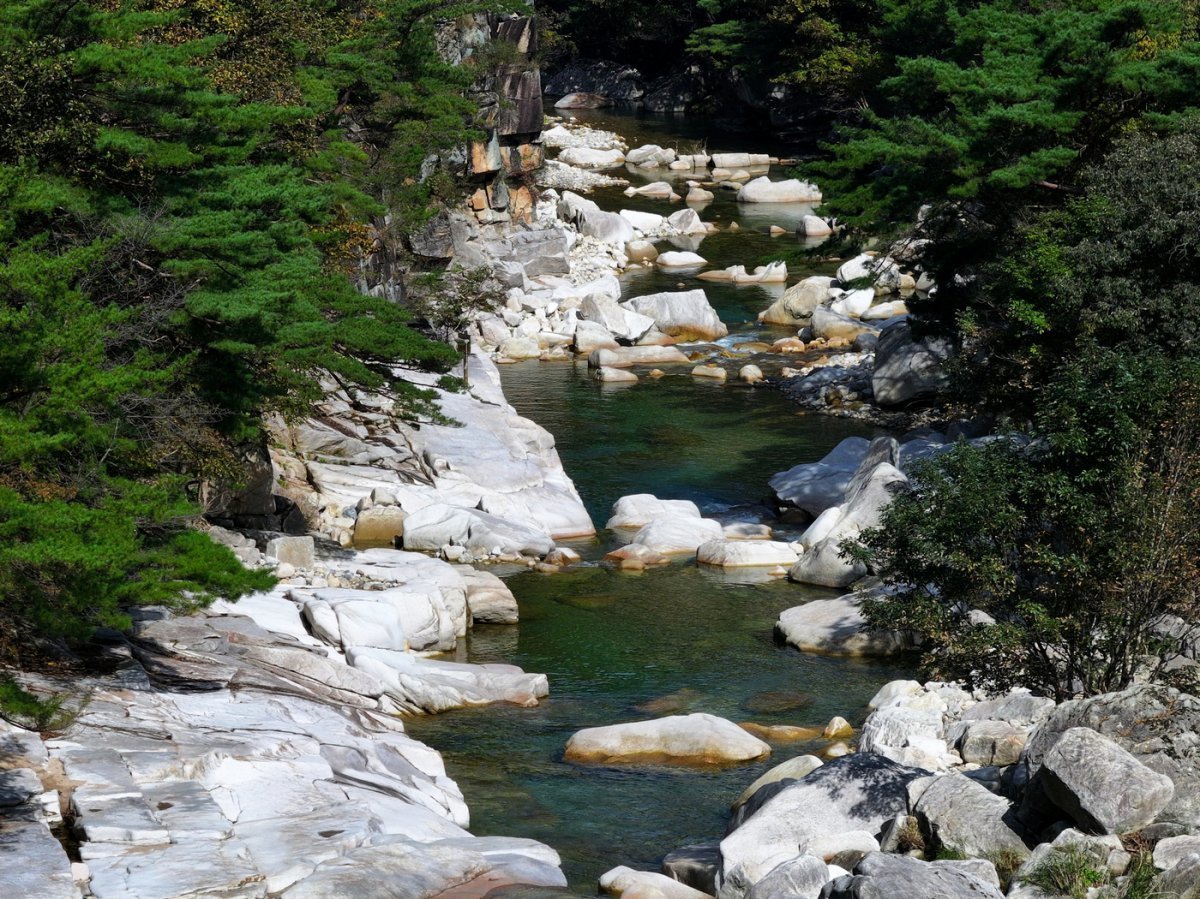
908, 370
672, 93
695, 866
613, 80
581, 100
435, 240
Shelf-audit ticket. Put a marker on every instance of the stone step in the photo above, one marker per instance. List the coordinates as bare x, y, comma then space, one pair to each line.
188, 810
125, 818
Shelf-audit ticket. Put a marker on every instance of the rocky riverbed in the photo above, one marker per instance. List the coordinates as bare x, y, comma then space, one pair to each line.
278, 746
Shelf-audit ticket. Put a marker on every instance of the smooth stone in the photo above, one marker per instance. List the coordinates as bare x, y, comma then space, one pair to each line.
295, 551
725, 553
623, 881
615, 375
680, 259
751, 374
881, 874
815, 226
793, 769
712, 372
677, 534
643, 221
625, 356
638, 509
764, 190
799, 878
694, 739
837, 627
685, 315
587, 158
854, 793
966, 817
636, 558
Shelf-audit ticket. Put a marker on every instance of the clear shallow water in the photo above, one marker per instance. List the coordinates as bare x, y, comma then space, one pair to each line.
689, 637
622, 646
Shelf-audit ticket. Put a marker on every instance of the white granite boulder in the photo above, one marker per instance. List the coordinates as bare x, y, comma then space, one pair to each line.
685, 315
764, 190
693, 739
726, 553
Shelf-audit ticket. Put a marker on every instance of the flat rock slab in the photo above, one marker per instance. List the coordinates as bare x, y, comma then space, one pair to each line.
117, 819
677, 534
33, 864
198, 869
188, 810
690, 739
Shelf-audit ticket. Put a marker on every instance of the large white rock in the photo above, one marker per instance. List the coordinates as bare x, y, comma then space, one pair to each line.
697, 738
435, 526
676, 535
814, 226
639, 509
680, 259
687, 221
591, 336
1101, 785
764, 190
427, 685
659, 190
650, 156
622, 321
796, 305
592, 221
853, 303
622, 880
883, 272
686, 314
833, 325
817, 486
643, 221
587, 158
854, 793
868, 494
837, 627
745, 553
625, 356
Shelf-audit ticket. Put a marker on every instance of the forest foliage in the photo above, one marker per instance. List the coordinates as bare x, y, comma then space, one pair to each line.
181, 210
1045, 155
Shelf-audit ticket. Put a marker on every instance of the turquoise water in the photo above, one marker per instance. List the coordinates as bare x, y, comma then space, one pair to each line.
621, 646
685, 638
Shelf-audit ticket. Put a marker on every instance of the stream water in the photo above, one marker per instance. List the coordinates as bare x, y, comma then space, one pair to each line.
620, 646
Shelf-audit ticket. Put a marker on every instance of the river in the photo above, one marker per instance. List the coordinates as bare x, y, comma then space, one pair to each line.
621, 646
